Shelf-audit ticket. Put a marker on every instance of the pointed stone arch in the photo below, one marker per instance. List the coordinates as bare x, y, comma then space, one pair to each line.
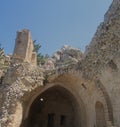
110, 120
57, 94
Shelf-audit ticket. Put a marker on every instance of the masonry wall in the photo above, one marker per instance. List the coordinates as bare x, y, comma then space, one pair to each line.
94, 82
102, 59
24, 47
111, 80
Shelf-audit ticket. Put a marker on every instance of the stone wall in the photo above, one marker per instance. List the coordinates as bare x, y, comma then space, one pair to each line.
110, 79
104, 45
24, 47
101, 59
18, 81
92, 82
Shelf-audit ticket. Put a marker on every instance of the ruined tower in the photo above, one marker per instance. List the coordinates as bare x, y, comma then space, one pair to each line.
23, 51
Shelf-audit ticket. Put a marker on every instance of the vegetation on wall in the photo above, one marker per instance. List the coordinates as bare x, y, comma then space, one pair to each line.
40, 57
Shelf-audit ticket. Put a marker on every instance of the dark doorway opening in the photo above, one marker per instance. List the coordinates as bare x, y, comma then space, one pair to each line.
56, 107
50, 120
63, 120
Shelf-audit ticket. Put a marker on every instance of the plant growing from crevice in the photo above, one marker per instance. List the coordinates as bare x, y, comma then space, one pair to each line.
40, 57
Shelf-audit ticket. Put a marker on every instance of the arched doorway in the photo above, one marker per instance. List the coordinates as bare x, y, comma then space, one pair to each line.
100, 115
56, 107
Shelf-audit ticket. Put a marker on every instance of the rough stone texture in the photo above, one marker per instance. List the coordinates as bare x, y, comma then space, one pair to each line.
1, 72
110, 78
91, 81
105, 43
23, 51
101, 59
67, 55
49, 64
19, 80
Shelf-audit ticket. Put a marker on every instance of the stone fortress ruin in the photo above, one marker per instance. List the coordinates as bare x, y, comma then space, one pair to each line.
82, 92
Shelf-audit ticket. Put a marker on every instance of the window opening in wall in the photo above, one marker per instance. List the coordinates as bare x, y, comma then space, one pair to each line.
50, 120
63, 120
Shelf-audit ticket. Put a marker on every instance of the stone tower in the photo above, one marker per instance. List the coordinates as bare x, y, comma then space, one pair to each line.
23, 51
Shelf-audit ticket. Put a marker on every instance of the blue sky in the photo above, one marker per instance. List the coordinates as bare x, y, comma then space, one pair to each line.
53, 23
